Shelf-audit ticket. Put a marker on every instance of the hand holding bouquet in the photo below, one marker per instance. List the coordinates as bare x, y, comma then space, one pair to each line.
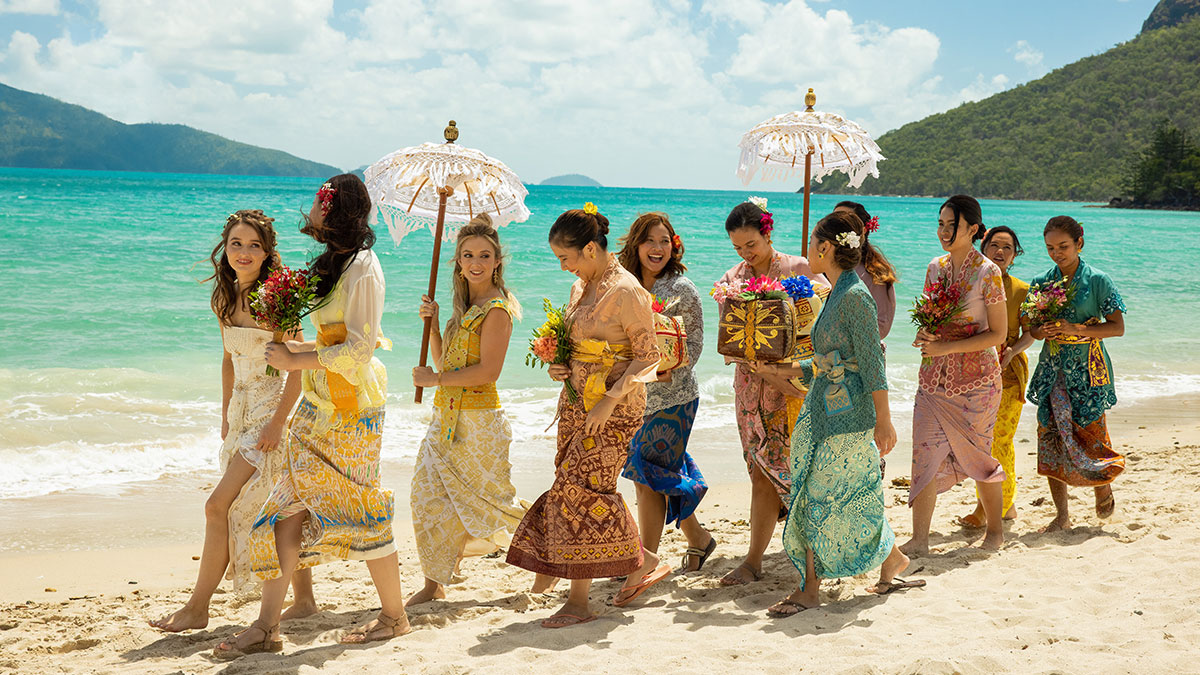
282, 301
551, 343
937, 307
1048, 303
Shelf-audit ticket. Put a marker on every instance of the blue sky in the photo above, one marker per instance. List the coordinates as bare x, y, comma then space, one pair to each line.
631, 92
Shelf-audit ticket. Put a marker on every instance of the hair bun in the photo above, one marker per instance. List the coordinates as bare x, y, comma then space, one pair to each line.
482, 219
601, 224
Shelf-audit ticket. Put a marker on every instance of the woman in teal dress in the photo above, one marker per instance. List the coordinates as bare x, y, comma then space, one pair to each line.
836, 525
1073, 383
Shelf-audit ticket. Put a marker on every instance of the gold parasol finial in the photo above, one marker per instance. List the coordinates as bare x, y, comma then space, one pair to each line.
810, 99
451, 132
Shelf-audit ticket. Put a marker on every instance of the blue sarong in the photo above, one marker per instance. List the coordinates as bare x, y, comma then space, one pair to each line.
658, 459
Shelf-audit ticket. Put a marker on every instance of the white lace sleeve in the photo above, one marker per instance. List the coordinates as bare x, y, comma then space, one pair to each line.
364, 310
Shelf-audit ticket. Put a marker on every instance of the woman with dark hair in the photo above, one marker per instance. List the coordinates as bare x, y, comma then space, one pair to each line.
836, 525
874, 269
254, 411
669, 484
1002, 247
581, 529
959, 382
1073, 383
761, 399
329, 501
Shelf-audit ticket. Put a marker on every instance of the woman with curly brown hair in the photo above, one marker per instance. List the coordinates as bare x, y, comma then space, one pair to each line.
254, 412
329, 501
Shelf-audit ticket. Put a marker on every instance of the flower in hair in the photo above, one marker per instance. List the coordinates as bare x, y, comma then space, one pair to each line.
849, 239
872, 225
676, 243
1080, 224
325, 196
766, 223
760, 202
590, 209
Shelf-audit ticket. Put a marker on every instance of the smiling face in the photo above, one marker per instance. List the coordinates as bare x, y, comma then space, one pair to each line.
1001, 249
245, 251
655, 252
946, 231
752, 246
1063, 249
577, 261
477, 259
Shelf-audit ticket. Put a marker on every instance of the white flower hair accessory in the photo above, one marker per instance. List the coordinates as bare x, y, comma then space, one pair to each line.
760, 202
849, 239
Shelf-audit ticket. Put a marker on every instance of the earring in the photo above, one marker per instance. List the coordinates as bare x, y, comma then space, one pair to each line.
496, 276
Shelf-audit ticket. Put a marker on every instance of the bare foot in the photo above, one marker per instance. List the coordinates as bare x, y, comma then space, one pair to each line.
1059, 524
973, 520
914, 548
1012, 513
992, 541
741, 575
894, 564
543, 583
299, 610
188, 618
432, 591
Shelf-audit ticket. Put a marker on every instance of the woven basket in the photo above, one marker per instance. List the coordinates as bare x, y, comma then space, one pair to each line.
672, 342
757, 330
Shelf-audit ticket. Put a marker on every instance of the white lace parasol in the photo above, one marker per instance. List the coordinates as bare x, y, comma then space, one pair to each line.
778, 147
405, 187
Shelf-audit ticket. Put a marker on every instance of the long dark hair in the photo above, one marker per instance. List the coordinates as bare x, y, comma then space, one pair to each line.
966, 208
345, 231
225, 296
880, 268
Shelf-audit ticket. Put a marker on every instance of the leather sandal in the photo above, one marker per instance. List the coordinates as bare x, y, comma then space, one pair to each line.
362, 635
228, 650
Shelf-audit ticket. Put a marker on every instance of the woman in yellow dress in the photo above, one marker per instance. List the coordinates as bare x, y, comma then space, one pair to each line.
463, 499
329, 501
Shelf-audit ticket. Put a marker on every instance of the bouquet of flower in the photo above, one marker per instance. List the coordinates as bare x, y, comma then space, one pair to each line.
797, 287
282, 301
1047, 303
758, 288
551, 342
937, 307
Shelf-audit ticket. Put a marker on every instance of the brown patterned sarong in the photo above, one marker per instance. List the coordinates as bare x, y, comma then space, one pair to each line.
581, 527
1075, 455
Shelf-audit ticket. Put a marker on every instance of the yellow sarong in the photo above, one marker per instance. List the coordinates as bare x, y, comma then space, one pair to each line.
598, 351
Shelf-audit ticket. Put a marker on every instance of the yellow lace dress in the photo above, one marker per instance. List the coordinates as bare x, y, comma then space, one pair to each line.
463, 499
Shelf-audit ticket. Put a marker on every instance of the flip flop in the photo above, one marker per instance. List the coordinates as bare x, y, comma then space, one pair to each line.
896, 584
566, 620
775, 614
701, 554
660, 573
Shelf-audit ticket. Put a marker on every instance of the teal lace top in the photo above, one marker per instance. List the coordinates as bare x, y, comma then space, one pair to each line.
1095, 297
848, 325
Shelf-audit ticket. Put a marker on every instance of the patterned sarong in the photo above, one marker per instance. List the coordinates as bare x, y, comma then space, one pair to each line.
658, 459
1075, 455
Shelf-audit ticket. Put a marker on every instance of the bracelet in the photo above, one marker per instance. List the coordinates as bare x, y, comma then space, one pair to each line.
439, 381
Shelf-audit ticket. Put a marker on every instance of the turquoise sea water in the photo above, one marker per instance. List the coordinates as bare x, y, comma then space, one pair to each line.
110, 359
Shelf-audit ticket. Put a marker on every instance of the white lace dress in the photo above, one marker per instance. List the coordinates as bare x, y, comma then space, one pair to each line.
254, 401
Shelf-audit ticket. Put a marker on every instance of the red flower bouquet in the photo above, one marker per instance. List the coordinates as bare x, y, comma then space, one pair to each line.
937, 307
282, 301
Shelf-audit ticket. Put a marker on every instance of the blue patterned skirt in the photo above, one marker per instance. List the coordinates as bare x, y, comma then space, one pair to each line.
658, 459
836, 504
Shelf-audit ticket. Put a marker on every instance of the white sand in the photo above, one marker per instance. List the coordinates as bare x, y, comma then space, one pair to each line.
1111, 597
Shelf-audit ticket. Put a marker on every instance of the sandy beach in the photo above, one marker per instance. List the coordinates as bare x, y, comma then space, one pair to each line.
83, 571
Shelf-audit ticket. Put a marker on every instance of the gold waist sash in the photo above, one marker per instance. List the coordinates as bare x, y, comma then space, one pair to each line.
598, 351
1097, 371
341, 392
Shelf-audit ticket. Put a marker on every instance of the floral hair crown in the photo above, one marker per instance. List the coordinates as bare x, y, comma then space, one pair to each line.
849, 239
872, 225
765, 222
325, 195
590, 209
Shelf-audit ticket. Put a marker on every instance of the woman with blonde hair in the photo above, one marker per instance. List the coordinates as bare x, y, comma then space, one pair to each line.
463, 499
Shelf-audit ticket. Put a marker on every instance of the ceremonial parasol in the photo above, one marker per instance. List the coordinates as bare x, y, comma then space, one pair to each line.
442, 186
775, 146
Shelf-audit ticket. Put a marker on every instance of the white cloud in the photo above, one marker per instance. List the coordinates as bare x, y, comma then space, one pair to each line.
632, 92
1024, 53
49, 7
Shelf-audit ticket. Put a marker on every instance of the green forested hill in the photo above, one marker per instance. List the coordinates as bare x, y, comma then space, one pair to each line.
1069, 135
37, 131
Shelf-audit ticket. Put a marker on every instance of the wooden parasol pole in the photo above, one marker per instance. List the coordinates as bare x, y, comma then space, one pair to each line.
810, 99
451, 135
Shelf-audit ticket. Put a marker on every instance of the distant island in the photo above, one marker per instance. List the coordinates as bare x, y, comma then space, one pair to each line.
40, 132
1071, 135
572, 180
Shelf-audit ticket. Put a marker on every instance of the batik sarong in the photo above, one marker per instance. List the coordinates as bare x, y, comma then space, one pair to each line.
658, 459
